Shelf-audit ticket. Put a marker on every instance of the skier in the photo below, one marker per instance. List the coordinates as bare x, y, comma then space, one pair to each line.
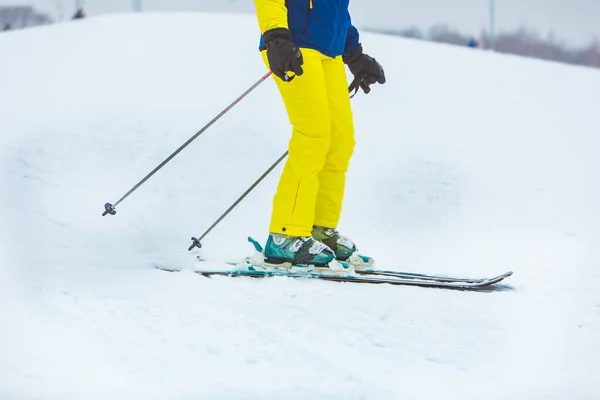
306, 43
79, 14
473, 43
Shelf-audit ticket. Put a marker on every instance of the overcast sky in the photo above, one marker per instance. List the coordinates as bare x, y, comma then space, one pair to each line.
575, 21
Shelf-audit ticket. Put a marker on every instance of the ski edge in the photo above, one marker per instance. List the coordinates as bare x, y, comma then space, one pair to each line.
437, 278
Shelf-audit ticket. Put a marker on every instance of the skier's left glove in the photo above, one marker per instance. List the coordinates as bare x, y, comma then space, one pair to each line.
366, 70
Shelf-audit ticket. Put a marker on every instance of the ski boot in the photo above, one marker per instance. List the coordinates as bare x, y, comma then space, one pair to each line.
296, 251
345, 250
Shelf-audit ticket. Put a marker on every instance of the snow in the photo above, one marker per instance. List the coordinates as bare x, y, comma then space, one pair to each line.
468, 163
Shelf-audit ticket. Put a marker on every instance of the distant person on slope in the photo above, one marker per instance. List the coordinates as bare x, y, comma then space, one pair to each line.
474, 44
79, 14
306, 43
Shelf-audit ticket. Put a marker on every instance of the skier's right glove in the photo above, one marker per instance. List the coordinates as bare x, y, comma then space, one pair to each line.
283, 54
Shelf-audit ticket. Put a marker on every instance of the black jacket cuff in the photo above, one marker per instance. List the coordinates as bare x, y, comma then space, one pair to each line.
277, 33
354, 55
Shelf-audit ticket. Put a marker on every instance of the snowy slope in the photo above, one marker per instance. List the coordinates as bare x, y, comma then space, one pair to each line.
467, 163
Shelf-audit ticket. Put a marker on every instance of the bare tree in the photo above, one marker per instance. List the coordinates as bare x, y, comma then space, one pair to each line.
591, 55
444, 34
521, 41
22, 17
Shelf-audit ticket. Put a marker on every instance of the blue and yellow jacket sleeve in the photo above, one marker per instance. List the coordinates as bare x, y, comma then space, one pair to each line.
352, 38
271, 14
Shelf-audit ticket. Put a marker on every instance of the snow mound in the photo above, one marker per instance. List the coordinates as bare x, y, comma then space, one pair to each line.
468, 163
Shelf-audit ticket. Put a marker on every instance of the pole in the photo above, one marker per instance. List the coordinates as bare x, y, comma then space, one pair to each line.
110, 208
196, 241
492, 25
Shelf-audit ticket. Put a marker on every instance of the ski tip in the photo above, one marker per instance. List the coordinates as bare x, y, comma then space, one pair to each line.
257, 245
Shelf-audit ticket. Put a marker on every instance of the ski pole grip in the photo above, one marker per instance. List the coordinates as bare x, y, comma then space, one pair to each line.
109, 209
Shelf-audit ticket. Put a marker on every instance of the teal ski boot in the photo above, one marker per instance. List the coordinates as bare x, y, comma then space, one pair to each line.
344, 248
282, 250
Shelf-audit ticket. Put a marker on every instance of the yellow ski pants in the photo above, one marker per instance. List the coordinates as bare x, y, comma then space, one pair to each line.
311, 187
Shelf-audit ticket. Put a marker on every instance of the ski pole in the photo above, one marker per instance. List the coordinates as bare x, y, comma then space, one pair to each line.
196, 242
110, 208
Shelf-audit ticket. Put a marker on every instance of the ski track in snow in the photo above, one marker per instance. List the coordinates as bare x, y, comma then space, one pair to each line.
472, 166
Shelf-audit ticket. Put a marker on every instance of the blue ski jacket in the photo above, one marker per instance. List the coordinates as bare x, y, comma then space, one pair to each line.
322, 25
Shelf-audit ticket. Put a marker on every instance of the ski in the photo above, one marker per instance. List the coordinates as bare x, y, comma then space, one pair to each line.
394, 274
254, 267
248, 263
352, 278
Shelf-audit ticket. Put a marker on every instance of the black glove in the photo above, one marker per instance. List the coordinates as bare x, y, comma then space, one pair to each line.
282, 53
366, 70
